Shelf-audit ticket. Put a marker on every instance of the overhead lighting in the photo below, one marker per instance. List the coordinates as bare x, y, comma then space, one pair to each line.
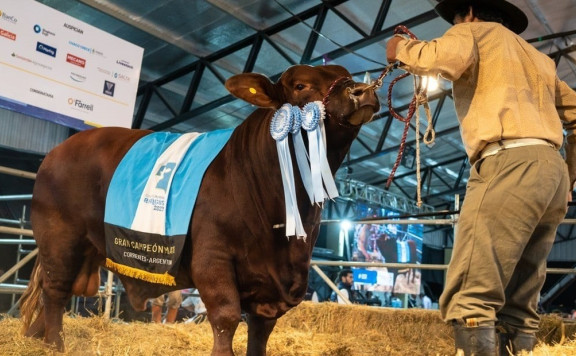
345, 225
431, 83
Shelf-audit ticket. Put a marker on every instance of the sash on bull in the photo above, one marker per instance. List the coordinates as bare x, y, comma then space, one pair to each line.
233, 253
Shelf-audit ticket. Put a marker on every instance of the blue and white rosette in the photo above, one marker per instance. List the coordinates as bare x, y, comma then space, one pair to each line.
313, 121
301, 153
280, 127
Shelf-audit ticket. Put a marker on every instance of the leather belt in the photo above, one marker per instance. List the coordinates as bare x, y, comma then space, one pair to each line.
495, 147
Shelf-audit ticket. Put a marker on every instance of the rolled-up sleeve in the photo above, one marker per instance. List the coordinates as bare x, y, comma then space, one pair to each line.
448, 56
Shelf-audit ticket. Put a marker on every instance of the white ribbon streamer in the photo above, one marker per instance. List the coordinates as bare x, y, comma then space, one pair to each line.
313, 121
314, 168
280, 126
301, 153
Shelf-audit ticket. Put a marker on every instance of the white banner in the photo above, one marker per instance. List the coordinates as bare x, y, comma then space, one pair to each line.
60, 69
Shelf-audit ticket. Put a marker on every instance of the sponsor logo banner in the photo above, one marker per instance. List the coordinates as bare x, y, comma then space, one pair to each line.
47, 57
42, 92
43, 31
77, 77
80, 105
6, 17
9, 35
28, 60
109, 88
125, 63
46, 49
80, 62
74, 28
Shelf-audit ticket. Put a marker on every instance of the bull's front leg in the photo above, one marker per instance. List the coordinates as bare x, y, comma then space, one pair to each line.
224, 317
222, 301
259, 330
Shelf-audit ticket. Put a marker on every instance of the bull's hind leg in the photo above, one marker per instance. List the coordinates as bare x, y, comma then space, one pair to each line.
37, 327
63, 265
259, 330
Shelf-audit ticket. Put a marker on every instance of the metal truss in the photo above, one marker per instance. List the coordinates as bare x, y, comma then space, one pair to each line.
202, 65
353, 192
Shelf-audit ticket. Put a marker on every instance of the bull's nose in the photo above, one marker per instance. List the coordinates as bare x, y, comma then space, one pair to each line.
368, 98
357, 91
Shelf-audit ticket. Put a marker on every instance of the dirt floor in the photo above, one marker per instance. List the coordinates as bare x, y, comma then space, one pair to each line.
324, 329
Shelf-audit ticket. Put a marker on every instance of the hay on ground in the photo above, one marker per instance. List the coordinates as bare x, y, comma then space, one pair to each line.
311, 329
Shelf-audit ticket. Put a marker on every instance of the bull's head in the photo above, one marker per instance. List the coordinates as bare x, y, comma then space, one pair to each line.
347, 102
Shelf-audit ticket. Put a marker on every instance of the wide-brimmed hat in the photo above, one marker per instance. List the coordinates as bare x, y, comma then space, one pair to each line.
515, 17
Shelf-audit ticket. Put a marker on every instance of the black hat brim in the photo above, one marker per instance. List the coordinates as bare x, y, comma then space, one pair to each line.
515, 17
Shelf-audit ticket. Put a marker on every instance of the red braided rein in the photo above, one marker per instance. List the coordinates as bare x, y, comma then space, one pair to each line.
411, 108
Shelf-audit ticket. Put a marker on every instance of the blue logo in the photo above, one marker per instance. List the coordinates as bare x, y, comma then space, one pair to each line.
44, 48
37, 28
365, 276
165, 172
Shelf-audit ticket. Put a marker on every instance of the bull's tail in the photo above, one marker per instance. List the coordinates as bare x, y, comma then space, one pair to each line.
30, 302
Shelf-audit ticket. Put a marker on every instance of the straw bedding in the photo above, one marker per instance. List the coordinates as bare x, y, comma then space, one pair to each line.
324, 329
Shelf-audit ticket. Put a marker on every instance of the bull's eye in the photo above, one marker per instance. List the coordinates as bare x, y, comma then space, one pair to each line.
300, 86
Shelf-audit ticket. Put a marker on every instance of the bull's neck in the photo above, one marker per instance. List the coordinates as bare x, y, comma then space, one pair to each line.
256, 157
339, 139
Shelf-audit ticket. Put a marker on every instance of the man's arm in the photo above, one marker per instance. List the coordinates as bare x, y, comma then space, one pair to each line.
391, 48
449, 55
566, 106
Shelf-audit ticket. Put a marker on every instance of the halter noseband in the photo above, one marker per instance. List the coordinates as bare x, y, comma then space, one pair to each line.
325, 103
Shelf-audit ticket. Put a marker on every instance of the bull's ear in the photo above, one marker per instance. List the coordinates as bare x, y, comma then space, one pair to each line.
253, 88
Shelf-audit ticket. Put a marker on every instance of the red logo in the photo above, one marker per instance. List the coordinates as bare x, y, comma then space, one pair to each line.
8, 34
80, 62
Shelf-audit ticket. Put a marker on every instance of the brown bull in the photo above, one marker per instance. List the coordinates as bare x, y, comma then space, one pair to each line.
233, 253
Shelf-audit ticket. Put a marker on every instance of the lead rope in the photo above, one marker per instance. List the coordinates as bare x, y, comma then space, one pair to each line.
420, 98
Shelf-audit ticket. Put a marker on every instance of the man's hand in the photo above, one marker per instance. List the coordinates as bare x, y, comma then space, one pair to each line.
391, 48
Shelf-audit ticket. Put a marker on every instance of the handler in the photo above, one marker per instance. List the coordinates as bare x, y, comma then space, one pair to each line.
511, 107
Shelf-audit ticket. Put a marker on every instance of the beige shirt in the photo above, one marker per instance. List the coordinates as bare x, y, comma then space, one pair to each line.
503, 87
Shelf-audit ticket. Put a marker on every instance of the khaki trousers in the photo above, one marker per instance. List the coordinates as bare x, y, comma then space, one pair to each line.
514, 202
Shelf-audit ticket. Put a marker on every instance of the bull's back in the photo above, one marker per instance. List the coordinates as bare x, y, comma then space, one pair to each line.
73, 179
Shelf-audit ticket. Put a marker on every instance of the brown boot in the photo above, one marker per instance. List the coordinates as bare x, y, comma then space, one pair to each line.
475, 341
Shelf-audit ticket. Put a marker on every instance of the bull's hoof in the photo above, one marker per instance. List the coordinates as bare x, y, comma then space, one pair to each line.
56, 345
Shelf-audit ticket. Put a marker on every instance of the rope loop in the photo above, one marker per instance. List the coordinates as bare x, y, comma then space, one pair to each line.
419, 98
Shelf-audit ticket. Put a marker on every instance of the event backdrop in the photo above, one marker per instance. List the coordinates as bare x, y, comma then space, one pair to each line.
57, 68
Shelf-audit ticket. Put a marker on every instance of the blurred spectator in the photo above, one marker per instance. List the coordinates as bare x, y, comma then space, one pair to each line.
426, 301
172, 305
194, 303
311, 295
345, 282
412, 301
